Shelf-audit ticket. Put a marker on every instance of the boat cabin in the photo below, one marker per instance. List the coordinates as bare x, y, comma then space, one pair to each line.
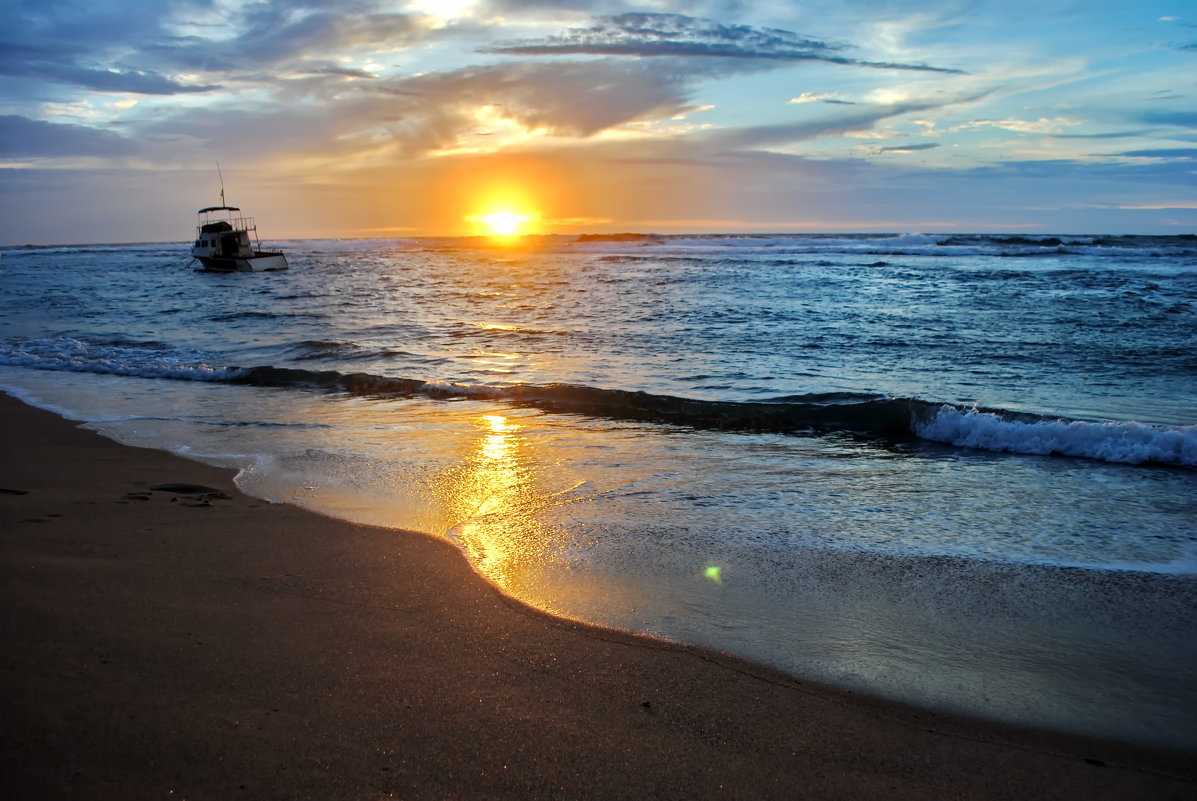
223, 233
227, 241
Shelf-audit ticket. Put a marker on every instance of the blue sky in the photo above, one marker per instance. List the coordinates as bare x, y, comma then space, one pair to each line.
369, 118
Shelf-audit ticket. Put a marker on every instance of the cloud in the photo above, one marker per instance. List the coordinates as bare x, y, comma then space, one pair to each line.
1172, 154
907, 148
87, 46
649, 35
290, 90
102, 80
406, 117
577, 99
21, 137
274, 34
144, 46
809, 97
1106, 135
44, 64
820, 97
336, 70
1105, 174
861, 119
1184, 119
1180, 204
1043, 125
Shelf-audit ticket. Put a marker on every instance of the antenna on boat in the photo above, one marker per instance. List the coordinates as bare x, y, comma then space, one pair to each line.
218, 172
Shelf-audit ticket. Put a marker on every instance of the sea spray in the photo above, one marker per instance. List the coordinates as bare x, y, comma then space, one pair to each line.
1126, 443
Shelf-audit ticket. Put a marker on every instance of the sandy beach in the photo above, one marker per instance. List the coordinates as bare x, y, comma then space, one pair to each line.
166, 636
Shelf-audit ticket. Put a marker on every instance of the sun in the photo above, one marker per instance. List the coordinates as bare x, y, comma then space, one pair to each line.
502, 206
505, 223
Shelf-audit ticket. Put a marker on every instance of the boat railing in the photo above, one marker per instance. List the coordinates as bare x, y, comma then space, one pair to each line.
237, 223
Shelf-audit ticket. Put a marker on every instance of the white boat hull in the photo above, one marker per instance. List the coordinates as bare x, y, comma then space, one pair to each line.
260, 262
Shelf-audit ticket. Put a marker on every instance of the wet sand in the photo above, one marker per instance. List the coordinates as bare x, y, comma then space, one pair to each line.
191, 642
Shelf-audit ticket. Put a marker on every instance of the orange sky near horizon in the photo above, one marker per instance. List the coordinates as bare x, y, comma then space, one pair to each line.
448, 196
471, 190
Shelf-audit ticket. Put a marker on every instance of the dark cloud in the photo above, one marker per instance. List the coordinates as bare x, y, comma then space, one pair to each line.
577, 99
1144, 175
725, 8
273, 35
908, 148
1107, 135
1173, 153
1184, 119
101, 80
863, 118
342, 72
138, 49
21, 137
676, 35
88, 46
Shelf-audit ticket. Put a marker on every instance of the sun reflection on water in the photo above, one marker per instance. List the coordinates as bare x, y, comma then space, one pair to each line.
499, 509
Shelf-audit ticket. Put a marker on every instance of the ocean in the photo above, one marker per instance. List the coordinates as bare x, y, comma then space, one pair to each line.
954, 470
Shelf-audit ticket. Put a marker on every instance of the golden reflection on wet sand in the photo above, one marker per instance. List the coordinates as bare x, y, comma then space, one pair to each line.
499, 508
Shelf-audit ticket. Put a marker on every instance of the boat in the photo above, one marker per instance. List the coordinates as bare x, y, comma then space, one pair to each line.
227, 242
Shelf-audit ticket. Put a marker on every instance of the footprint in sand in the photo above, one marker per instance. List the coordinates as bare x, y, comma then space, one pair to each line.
192, 494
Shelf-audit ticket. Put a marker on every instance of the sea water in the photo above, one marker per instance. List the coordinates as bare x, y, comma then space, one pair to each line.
959, 471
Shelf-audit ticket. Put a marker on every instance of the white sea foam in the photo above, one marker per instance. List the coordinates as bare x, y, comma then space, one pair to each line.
454, 389
1127, 443
26, 395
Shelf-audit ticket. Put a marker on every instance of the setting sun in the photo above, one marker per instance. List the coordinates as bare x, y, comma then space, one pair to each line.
505, 223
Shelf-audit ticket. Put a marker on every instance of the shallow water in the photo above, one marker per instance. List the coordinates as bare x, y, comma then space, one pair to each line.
753, 444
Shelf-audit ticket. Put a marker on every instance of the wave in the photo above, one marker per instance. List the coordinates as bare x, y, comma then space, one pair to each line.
232, 317
112, 357
171, 248
1128, 443
992, 430
815, 414
909, 244
879, 244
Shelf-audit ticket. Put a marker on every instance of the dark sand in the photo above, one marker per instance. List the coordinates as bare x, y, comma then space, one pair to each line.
174, 644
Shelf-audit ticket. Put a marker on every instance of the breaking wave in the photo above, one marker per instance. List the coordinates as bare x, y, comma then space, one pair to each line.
1129, 443
992, 430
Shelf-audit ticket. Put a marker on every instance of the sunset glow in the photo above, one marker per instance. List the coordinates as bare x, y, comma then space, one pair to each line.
502, 120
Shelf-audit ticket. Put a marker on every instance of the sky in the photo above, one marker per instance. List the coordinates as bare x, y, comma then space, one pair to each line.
369, 118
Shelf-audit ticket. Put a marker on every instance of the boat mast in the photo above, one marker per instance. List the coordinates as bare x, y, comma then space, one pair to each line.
218, 172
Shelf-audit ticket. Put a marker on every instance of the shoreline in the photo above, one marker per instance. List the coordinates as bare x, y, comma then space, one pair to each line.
213, 645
